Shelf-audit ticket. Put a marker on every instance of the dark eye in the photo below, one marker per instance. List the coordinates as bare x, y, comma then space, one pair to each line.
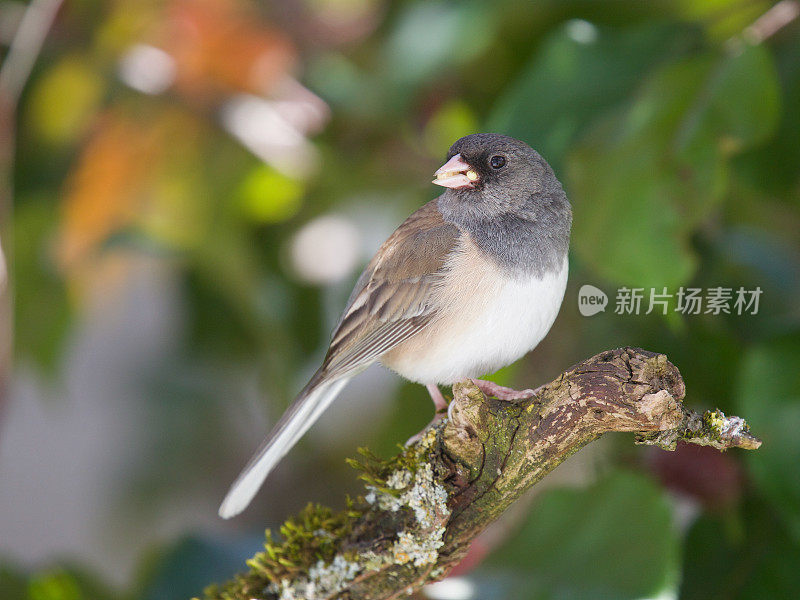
497, 161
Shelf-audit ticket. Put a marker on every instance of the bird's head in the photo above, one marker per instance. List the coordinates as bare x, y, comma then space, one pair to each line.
495, 173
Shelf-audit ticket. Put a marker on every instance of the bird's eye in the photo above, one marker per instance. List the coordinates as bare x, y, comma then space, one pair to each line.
497, 161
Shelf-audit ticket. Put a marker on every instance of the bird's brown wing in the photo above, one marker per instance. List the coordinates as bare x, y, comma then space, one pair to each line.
393, 298
392, 301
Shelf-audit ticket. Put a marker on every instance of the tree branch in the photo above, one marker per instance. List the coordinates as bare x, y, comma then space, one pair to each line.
424, 507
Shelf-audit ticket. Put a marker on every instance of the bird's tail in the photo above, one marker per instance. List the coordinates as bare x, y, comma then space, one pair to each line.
303, 412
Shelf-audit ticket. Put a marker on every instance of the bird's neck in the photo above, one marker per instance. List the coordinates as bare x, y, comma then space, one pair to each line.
529, 242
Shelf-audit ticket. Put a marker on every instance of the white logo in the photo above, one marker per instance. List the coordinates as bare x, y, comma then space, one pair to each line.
591, 300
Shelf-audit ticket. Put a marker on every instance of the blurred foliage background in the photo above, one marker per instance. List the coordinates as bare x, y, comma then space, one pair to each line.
197, 185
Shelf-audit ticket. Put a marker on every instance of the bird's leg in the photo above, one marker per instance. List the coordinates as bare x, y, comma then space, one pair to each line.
490, 388
436, 395
440, 405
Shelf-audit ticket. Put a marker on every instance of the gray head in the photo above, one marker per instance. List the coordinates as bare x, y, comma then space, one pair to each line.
507, 196
491, 174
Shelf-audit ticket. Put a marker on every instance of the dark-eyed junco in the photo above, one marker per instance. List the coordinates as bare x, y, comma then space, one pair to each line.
466, 285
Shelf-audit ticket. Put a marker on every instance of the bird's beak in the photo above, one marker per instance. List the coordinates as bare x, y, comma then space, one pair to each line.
456, 174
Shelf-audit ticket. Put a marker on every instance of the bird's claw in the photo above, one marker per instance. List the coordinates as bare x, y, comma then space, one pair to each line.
490, 388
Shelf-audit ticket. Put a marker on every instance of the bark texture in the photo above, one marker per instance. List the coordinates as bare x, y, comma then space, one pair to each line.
423, 508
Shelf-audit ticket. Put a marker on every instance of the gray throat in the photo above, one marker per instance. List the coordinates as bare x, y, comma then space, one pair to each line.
533, 241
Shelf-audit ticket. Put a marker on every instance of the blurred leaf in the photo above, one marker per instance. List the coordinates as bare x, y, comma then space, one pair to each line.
775, 166
55, 583
740, 557
58, 585
769, 397
41, 310
626, 226
105, 188
224, 46
612, 540
752, 257
124, 23
266, 196
185, 569
13, 584
412, 409
569, 82
723, 18
452, 121
430, 36
67, 584
335, 78
178, 212
737, 107
129, 175
65, 99
647, 176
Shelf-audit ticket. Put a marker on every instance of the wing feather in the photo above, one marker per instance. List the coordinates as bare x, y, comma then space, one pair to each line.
395, 296
394, 299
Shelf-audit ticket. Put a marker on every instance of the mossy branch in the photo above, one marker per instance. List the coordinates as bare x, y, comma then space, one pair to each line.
423, 507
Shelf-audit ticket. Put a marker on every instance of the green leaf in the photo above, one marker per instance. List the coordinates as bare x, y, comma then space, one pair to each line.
769, 398
612, 540
451, 121
626, 225
267, 196
740, 557
65, 99
571, 80
647, 176
721, 19
13, 583
57, 585
188, 566
738, 106
68, 583
775, 165
411, 411
428, 37
42, 312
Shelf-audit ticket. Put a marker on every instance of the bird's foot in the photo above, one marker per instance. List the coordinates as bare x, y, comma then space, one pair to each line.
490, 388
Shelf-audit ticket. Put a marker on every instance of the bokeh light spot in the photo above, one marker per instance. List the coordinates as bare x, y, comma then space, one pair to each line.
581, 31
147, 69
266, 196
326, 250
452, 588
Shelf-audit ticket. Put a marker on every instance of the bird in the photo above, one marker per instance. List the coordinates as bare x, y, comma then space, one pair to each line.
468, 284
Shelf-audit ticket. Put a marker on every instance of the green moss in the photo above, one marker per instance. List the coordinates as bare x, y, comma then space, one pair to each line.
713, 422
313, 535
316, 533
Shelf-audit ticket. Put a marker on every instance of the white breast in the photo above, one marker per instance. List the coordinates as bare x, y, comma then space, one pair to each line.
489, 320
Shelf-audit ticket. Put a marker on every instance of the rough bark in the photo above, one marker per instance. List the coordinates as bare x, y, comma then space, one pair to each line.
423, 508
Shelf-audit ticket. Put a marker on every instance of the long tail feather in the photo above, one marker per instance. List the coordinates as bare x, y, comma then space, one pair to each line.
303, 412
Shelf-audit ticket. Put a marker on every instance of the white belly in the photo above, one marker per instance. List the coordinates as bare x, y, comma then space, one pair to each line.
489, 321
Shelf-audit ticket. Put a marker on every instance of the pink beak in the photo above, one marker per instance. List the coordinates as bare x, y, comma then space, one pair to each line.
453, 174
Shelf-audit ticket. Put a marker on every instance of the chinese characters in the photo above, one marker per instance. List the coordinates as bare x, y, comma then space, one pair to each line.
688, 301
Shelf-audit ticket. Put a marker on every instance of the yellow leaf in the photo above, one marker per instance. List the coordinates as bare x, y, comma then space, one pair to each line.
64, 100
266, 196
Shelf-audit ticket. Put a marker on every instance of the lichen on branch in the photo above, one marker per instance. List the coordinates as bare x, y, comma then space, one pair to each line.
711, 428
423, 507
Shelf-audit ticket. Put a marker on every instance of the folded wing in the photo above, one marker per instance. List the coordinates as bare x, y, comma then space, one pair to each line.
394, 298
